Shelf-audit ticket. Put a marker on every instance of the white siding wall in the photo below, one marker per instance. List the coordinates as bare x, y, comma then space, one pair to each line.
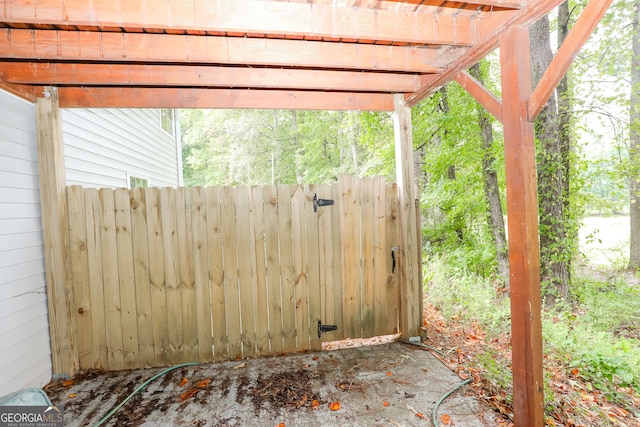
25, 353
103, 145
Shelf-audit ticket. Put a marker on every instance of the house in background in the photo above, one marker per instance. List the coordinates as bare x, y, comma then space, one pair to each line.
103, 148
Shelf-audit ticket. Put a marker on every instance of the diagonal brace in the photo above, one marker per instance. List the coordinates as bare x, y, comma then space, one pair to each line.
487, 99
577, 37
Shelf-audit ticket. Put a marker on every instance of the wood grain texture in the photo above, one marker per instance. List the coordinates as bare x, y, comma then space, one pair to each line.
156, 276
524, 251
258, 258
93, 219
53, 205
80, 275
245, 275
128, 314
143, 286
287, 277
408, 253
216, 272
111, 283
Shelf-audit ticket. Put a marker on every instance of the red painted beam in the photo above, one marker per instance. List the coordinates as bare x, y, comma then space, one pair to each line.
97, 74
488, 100
116, 97
166, 48
490, 30
522, 211
251, 17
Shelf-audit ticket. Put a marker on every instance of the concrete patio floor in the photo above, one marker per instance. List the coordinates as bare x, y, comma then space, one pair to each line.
274, 390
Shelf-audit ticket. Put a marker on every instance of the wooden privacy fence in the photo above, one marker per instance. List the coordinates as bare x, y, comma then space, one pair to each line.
164, 276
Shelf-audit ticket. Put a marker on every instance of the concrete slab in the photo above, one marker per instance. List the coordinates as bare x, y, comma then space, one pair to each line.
274, 390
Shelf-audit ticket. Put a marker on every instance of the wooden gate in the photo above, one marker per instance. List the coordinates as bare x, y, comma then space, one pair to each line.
164, 276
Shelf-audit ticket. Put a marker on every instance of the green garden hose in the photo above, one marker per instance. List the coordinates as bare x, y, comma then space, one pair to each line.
136, 391
434, 417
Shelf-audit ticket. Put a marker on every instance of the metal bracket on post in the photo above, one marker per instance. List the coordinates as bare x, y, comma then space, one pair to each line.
320, 202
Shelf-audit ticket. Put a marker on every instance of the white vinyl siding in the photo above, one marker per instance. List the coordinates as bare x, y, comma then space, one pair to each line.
102, 149
104, 146
25, 353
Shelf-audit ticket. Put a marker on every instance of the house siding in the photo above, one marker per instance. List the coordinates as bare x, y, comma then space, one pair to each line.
25, 352
102, 146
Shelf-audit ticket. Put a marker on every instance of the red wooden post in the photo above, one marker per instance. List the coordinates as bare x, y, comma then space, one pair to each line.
522, 208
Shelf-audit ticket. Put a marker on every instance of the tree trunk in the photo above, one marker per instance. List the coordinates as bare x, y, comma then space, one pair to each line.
564, 135
554, 267
492, 189
634, 144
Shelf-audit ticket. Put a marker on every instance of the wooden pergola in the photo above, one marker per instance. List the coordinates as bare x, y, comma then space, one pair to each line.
296, 54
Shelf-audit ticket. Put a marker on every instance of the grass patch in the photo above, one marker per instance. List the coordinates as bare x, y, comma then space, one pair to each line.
591, 346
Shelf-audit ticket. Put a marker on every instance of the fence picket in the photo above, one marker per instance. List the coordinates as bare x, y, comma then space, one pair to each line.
350, 230
144, 309
245, 278
93, 218
201, 274
313, 267
392, 299
366, 257
156, 276
287, 279
301, 291
172, 273
325, 259
216, 272
381, 253
185, 266
338, 297
128, 312
80, 274
110, 280
230, 268
258, 261
273, 268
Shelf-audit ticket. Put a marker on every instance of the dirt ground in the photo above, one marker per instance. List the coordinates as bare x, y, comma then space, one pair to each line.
392, 384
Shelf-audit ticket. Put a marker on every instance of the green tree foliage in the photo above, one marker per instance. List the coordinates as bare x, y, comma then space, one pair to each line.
230, 147
447, 134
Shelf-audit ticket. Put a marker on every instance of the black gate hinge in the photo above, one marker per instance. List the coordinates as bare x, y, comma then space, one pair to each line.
320, 202
325, 328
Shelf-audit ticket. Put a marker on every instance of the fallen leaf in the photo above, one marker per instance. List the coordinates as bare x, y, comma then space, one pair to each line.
188, 394
315, 404
68, 383
420, 415
385, 403
203, 383
240, 366
334, 406
72, 395
183, 382
445, 418
575, 371
315, 358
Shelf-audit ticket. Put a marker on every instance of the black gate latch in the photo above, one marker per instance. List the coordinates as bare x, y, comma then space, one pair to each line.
325, 328
320, 202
